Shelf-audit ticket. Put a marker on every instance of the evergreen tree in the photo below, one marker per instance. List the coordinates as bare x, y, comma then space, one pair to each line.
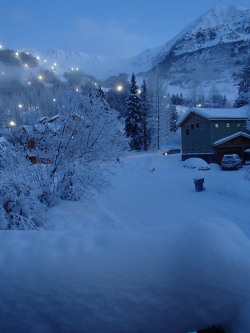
144, 105
244, 88
174, 118
134, 128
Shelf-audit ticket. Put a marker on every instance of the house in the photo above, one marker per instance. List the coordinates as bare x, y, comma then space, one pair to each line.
211, 133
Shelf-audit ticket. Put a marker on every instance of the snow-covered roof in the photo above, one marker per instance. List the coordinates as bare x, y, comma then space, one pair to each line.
230, 137
216, 114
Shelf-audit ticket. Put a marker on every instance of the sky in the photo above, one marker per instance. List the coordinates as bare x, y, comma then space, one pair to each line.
108, 28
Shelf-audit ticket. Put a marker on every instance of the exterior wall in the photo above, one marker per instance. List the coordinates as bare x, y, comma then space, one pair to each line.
196, 135
223, 128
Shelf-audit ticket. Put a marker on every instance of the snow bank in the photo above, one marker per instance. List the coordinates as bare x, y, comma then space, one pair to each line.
123, 281
151, 255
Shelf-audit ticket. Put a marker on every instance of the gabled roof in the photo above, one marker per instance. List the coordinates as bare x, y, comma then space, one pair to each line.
230, 137
216, 114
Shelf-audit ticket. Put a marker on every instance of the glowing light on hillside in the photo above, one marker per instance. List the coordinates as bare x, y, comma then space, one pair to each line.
72, 68
55, 64
40, 77
77, 69
1, 46
52, 68
95, 84
139, 91
17, 54
54, 100
44, 60
20, 106
25, 65
77, 89
27, 52
29, 83
119, 88
198, 105
3, 73
12, 123
38, 58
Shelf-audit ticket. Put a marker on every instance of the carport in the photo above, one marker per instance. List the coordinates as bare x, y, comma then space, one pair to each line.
234, 144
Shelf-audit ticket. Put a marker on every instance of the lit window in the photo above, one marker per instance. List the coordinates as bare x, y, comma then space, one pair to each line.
227, 125
216, 125
238, 125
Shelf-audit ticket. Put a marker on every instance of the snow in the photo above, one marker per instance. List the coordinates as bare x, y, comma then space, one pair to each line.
209, 113
195, 162
149, 255
224, 19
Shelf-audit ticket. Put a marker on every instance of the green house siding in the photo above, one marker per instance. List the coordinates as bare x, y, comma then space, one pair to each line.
223, 128
196, 135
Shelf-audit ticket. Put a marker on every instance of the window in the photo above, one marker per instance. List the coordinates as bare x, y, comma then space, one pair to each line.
227, 125
197, 125
192, 149
205, 148
238, 125
198, 149
216, 125
187, 131
192, 126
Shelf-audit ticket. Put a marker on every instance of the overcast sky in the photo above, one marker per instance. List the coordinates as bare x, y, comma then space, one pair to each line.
105, 27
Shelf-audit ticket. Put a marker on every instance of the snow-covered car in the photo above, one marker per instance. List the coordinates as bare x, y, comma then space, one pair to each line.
231, 162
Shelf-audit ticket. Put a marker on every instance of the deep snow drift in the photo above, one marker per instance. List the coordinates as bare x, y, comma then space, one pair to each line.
151, 255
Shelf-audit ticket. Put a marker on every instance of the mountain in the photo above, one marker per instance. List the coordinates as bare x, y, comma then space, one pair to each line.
65, 60
213, 48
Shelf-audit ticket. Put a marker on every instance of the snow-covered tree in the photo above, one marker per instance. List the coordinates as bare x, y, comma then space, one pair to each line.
134, 126
244, 88
160, 111
173, 119
144, 107
85, 133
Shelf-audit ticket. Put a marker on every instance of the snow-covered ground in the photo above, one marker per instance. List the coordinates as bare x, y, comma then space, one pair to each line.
149, 255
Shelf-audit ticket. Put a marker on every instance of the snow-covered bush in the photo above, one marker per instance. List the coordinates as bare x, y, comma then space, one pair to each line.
20, 207
74, 147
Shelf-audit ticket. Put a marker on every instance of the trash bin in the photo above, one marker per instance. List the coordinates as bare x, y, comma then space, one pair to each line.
199, 184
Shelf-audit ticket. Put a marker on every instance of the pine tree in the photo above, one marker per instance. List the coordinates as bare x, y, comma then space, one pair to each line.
174, 118
144, 105
244, 88
134, 128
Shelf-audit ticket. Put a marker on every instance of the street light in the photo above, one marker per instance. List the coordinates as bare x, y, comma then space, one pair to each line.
12, 124
119, 88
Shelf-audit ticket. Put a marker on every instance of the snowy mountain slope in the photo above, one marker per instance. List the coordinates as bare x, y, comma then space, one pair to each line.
66, 60
221, 25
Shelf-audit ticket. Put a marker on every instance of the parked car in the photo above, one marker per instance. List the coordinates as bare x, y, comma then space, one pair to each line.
172, 151
231, 162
